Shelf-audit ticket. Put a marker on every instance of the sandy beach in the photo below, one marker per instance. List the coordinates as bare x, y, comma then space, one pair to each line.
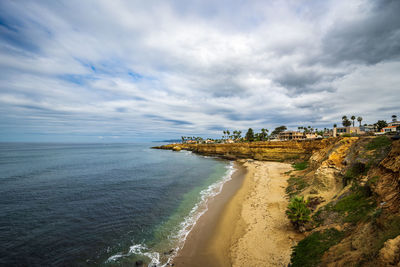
248, 229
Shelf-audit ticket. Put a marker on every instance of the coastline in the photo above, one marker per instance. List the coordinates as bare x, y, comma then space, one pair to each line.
245, 224
195, 251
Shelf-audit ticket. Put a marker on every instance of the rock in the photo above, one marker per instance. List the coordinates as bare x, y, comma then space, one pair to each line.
176, 148
390, 253
302, 229
313, 191
169, 252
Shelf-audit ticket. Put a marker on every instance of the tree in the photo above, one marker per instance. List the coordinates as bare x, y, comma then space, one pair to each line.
238, 135
359, 119
278, 130
346, 123
353, 118
298, 212
228, 133
263, 134
394, 118
250, 135
381, 124
183, 139
334, 125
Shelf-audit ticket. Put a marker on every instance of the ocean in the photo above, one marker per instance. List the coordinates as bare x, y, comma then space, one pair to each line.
100, 204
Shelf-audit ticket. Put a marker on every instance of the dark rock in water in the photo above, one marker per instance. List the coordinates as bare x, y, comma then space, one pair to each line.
169, 252
139, 263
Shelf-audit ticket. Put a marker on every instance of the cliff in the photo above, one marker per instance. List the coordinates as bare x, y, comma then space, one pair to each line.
271, 151
353, 188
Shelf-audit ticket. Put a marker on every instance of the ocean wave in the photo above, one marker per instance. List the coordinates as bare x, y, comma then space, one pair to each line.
186, 225
139, 249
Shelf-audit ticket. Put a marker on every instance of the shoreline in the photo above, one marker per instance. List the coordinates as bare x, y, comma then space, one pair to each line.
245, 224
195, 250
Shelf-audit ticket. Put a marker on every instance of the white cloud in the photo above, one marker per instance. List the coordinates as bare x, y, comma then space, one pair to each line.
134, 68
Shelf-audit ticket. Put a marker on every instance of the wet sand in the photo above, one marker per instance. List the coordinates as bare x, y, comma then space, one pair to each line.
196, 250
246, 224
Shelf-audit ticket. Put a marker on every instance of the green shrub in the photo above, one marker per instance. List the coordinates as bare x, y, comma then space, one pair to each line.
298, 212
355, 206
378, 142
300, 166
357, 169
295, 185
310, 250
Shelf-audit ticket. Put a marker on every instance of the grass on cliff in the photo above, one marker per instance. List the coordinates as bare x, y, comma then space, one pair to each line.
390, 228
295, 185
355, 206
300, 166
310, 250
378, 143
355, 171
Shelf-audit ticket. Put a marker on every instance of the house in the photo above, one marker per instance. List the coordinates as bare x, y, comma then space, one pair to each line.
229, 141
389, 129
346, 130
291, 135
311, 135
394, 123
368, 128
327, 134
209, 141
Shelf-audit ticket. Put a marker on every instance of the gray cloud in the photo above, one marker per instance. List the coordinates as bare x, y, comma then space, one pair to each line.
370, 37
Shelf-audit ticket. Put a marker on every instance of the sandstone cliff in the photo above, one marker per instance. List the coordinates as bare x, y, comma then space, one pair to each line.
271, 151
355, 185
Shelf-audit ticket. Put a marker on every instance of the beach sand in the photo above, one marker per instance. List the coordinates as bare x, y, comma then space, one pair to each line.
246, 224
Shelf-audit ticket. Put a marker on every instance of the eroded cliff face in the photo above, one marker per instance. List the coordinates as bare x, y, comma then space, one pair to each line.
271, 151
357, 184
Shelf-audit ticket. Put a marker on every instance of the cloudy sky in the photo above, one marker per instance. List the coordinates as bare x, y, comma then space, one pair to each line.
152, 70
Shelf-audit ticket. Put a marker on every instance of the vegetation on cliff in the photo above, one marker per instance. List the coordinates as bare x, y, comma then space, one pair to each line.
298, 212
356, 221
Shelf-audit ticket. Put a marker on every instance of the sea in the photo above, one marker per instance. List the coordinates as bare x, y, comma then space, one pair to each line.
101, 204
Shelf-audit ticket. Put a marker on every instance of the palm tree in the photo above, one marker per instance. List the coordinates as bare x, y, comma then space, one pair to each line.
334, 125
359, 119
394, 118
353, 118
346, 123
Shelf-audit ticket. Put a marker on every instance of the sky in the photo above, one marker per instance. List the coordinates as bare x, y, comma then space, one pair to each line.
136, 71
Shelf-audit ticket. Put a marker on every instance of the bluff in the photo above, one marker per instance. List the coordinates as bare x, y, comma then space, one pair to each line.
353, 190
269, 151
